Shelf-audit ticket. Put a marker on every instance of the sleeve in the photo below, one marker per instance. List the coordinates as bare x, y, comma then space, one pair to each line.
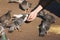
45, 3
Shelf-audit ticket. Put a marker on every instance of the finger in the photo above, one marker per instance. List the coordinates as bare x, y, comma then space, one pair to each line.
29, 18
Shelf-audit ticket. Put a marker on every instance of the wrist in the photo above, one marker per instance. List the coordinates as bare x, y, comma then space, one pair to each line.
39, 8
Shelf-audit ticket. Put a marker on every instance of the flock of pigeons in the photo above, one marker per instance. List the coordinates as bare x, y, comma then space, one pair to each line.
6, 21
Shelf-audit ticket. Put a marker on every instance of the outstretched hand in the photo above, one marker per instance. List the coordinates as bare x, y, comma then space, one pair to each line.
31, 16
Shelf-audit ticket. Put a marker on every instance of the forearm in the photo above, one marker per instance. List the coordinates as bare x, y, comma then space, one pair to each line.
39, 8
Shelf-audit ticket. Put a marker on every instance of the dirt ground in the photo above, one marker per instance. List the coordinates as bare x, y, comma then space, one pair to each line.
28, 31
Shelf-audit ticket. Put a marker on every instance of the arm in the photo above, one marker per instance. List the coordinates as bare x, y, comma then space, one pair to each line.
42, 4
33, 14
45, 3
39, 8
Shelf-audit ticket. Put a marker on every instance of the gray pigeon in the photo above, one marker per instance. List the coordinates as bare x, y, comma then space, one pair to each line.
17, 21
4, 19
25, 5
46, 22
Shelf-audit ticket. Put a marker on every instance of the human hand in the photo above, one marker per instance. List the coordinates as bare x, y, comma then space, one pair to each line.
31, 16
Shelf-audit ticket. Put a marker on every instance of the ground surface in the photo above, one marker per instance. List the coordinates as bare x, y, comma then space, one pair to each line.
30, 30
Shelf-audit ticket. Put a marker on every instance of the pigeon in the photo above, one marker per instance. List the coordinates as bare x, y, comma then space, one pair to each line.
17, 21
46, 22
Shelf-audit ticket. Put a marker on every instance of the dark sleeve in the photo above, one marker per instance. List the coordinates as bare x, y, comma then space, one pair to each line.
45, 3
